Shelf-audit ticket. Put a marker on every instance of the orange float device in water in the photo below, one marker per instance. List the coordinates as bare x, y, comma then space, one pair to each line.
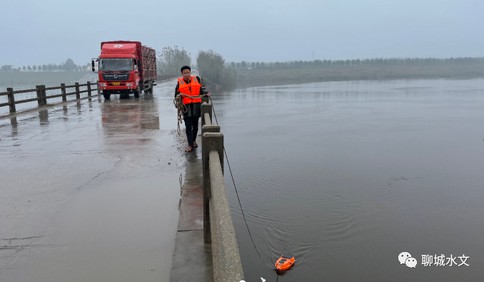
284, 263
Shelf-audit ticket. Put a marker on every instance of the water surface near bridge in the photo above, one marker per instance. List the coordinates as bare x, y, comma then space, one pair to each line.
347, 175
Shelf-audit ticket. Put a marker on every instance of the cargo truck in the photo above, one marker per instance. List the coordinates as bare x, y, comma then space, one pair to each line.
125, 67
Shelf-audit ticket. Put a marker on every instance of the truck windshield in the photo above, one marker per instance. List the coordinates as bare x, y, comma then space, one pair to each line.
116, 64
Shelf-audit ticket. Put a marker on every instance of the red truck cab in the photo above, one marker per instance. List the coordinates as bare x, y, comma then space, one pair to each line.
125, 67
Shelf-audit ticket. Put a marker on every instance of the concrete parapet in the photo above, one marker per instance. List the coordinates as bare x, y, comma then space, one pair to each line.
210, 128
206, 108
217, 219
227, 265
210, 141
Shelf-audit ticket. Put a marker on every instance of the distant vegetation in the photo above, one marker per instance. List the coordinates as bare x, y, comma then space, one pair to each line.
210, 65
170, 60
215, 73
27, 79
260, 73
69, 65
47, 74
219, 75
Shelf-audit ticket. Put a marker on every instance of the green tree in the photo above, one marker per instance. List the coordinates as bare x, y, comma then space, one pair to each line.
211, 66
171, 59
6, 68
69, 65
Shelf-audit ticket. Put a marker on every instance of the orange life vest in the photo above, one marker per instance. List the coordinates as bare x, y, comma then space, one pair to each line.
190, 89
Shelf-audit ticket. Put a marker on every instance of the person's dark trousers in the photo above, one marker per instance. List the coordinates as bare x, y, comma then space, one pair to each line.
191, 124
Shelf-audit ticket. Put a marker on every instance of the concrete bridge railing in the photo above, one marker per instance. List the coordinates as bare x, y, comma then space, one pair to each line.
218, 226
41, 98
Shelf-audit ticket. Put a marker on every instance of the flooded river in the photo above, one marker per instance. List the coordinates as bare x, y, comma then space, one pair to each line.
346, 176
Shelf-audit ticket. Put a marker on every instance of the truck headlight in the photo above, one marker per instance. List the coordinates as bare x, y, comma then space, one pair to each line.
129, 84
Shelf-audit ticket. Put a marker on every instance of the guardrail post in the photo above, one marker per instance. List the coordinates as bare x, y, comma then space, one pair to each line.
206, 108
78, 92
89, 90
210, 141
11, 100
210, 128
207, 125
44, 95
39, 94
63, 91
41, 99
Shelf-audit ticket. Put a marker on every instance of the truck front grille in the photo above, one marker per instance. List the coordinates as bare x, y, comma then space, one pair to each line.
115, 76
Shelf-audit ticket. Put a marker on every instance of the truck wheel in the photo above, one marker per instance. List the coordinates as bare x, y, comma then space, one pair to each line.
107, 96
137, 92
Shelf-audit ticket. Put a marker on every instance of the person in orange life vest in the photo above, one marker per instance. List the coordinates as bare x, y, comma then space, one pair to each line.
190, 85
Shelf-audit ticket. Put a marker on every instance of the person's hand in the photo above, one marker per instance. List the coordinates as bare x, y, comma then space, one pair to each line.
209, 94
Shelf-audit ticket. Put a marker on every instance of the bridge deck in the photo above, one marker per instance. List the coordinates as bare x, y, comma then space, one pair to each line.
90, 192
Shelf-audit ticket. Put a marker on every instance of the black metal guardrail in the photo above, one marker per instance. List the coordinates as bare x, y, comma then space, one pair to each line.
42, 97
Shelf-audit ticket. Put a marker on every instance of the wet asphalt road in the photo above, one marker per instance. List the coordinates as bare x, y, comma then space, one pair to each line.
90, 191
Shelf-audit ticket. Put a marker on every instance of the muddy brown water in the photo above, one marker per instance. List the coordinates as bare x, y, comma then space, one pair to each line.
345, 176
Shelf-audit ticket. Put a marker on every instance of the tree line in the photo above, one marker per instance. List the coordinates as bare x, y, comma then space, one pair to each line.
221, 75
357, 62
210, 65
273, 73
69, 65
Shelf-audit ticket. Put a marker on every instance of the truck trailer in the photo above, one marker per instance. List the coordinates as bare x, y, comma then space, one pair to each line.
125, 67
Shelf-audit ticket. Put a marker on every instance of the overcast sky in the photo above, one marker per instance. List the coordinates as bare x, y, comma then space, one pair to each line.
50, 31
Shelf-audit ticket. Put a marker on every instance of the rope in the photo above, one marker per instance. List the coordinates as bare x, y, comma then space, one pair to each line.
182, 108
240, 203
